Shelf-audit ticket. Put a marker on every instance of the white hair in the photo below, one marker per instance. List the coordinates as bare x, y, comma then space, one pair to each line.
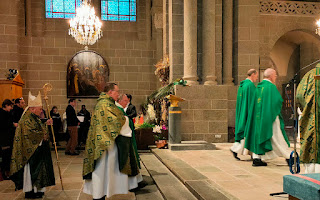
268, 72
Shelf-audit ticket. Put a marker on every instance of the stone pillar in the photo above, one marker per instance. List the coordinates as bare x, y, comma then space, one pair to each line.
227, 16
165, 34
175, 125
209, 42
148, 20
190, 42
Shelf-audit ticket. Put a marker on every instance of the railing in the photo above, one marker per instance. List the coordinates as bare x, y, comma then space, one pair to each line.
268, 7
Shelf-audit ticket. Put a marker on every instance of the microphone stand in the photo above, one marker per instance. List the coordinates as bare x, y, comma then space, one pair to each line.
295, 119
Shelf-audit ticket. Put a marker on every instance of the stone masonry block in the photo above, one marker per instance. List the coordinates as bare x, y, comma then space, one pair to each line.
215, 115
121, 76
218, 127
200, 104
49, 51
218, 104
187, 127
201, 127
45, 75
187, 115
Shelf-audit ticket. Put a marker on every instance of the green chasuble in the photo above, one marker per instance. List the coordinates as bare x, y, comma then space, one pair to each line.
309, 122
106, 123
26, 149
266, 108
245, 99
127, 152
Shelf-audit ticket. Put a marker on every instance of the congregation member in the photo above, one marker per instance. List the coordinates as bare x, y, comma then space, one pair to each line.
6, 137
31, 164
57, 123
266, 136
18, 109
72, 126
307, 91
84, 126
245, 100
101, 173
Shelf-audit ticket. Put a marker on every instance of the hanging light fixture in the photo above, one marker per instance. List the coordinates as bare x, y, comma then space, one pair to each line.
85, 27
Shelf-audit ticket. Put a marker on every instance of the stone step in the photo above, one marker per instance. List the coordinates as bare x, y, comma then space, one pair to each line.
169, 185
198, 184
149, 192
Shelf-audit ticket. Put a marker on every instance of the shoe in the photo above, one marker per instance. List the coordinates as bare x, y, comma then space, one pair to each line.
258, 163
29, 195
39, 195
67, 153
142, 184
235, 155
103, 198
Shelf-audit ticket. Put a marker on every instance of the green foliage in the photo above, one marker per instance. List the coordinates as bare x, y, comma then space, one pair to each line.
145, 125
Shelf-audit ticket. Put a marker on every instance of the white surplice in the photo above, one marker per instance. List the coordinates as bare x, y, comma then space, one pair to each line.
27, 182
279, 145
107, 180
238, 147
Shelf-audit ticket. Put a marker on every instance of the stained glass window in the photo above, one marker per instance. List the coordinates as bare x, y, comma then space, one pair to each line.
62, 8
118, 10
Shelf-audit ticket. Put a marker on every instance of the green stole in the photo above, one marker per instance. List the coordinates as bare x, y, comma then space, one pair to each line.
245, 99
267, 106
307, 90
26, 149
106, 123
127, 152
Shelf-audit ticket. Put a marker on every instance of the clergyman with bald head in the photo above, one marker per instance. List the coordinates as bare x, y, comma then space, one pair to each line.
266, 137
245, 99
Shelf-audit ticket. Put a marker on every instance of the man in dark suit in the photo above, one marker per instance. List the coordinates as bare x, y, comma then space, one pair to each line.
72, 124
130, 109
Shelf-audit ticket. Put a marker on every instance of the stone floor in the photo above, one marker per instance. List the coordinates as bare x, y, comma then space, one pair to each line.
236, 179
216, 168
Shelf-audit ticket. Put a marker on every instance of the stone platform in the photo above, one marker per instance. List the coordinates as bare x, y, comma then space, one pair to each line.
192, 145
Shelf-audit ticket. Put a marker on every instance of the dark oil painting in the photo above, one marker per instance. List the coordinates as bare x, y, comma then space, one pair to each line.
87, 75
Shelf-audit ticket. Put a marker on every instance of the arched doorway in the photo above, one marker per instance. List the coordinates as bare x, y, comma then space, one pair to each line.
291, 52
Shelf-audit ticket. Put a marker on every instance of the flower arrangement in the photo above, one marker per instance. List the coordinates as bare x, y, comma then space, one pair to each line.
162, 70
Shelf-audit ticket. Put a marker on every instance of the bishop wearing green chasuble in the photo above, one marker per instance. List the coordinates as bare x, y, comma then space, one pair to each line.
266, 136
31, 165
101, 168
245, 100
308, 99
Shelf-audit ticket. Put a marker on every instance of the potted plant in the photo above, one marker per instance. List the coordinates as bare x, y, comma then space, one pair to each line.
160, 139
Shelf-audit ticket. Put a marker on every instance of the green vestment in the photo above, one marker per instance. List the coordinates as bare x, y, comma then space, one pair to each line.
127, 152
26, 149
309, 122
106, 123
266, 108
245, 99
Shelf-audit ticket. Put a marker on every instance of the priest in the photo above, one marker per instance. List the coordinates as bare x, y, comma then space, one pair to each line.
129, 162
266, 136
31, 164
307, 91
101, 165
245, 100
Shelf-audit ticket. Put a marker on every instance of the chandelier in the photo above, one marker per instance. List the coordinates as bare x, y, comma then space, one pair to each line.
85, 27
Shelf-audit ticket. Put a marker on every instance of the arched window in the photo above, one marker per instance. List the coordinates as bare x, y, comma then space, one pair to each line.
62, 8
118, 10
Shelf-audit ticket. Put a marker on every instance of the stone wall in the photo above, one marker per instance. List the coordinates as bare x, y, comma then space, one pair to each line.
45, 49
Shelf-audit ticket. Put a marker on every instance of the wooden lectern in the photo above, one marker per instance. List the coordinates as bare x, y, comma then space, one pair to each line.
11, 89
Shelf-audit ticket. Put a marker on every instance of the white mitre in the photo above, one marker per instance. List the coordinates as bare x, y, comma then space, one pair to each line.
34, 101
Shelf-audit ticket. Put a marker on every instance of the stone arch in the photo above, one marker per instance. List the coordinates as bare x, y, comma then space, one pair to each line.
291, 45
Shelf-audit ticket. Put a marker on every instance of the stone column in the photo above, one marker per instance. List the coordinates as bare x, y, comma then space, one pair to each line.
209, 42
227, 13
190, 42
148, 20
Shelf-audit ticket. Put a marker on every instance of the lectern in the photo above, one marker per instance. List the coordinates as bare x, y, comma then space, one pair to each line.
11, 89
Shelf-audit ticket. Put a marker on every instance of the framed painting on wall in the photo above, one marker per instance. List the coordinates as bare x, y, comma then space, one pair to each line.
87, 75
